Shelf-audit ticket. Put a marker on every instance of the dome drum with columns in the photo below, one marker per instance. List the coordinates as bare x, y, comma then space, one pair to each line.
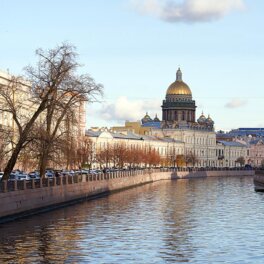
178, 105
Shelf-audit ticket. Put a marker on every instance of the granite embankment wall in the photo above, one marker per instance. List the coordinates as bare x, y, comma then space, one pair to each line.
21, 198
212, 173
25, 198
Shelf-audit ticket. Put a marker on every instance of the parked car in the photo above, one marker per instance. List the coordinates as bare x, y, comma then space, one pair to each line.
49, 174
84, 171
1, 175
57, 173
93, 171
67, 172
34, 175
13, 175
18, 175
23, 176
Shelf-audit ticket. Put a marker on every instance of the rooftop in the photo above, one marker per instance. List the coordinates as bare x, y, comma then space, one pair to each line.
231, 143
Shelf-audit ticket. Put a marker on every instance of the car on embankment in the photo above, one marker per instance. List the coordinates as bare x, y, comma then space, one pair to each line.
18, 175
34, 175
1, 175
49, 174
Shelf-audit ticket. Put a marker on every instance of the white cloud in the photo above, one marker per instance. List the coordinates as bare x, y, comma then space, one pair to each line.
126, 109
236, 103
188, 10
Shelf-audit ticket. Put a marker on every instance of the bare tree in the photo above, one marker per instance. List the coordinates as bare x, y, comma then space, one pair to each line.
85, 152
27, 159
191, 158
151, 157
154, 158
53, 89
72, 93
89, 152
105, 156
134, 157
172, 156
121, 155
5, 136
240, 161
22, 122
180, 161
115, 156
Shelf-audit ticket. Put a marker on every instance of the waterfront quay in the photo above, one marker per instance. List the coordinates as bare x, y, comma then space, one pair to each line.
259, 180
21, 198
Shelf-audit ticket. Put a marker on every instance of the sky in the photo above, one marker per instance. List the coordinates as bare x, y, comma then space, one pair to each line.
134, 48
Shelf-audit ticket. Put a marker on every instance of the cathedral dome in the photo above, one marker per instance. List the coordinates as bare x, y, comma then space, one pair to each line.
209, 121
146, 119
156, 119
202, 119
179, 87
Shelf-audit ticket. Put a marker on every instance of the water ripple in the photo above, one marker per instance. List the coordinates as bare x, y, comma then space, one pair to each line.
218, 220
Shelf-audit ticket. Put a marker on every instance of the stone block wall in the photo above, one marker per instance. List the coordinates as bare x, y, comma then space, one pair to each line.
25, 201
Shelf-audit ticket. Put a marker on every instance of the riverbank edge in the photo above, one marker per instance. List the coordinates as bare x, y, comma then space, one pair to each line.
52, 207
24, 203
259, 181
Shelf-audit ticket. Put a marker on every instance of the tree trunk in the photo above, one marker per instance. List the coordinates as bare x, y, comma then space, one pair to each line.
12, 161
43, 161
22, 139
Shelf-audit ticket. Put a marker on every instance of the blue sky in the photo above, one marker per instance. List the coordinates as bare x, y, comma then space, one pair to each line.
135, 47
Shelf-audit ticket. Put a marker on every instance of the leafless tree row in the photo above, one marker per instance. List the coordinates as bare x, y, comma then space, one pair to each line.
120, 156
180, 160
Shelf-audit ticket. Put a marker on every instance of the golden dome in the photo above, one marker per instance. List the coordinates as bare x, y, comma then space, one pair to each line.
179, 88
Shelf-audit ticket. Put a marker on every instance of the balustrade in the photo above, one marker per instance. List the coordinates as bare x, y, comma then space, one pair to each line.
9, 186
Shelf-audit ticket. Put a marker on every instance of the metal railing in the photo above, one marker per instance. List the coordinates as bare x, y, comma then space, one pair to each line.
13, 185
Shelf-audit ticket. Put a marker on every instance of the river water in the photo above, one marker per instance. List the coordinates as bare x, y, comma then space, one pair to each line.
213, 220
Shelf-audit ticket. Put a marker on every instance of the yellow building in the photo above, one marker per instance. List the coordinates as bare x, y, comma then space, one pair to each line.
134, 127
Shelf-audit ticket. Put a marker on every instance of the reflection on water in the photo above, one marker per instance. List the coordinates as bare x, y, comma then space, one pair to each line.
217, 220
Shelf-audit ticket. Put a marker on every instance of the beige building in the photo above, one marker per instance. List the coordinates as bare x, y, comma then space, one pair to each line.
255, 148
255, 151
228, 152
103, 138
203, 145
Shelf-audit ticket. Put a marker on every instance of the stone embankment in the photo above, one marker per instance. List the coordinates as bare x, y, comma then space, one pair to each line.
186, 174
259, 181
22, 198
